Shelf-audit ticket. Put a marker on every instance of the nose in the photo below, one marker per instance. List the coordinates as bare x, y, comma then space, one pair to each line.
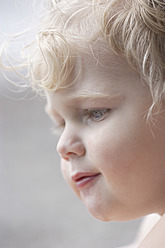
70, 146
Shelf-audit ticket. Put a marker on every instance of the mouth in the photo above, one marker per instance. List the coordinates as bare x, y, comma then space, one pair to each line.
83, 180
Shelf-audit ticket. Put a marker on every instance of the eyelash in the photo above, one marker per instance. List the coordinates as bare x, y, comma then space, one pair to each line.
92, 114
89, 114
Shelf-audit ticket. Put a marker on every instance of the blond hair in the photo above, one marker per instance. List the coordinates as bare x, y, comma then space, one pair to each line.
135, 29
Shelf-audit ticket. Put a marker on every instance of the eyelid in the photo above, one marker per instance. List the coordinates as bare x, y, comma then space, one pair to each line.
88, 114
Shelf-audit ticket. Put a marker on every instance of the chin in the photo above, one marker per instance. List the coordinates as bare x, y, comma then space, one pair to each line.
101, 218
98, 216
108, 218
98, 211
105, 214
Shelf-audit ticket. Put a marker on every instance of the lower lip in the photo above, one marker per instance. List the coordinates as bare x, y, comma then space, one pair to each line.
86, 181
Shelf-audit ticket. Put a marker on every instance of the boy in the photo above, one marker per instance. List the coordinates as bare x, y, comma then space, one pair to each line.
102, 66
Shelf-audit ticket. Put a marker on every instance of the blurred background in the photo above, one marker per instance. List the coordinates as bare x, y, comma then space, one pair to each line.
37, 208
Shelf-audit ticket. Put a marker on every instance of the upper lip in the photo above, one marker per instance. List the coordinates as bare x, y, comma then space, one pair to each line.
77, 176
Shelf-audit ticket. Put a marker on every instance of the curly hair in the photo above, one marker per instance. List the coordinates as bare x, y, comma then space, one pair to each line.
133, 29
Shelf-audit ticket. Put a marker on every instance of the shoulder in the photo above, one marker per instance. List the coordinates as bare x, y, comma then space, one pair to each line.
155, 237
145, 227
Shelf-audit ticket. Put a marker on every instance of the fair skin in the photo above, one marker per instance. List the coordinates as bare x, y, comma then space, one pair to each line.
110, 156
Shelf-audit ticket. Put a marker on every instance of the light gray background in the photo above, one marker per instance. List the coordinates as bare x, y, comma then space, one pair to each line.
37, 208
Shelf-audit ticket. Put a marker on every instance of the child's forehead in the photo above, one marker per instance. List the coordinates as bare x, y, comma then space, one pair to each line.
97, 77
102, 62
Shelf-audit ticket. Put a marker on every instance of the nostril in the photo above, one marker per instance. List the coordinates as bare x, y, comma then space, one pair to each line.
65, 158
68, 156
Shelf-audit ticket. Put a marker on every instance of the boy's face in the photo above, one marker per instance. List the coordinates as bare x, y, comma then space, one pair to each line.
111, 157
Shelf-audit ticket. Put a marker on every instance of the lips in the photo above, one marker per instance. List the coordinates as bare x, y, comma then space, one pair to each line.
84, 179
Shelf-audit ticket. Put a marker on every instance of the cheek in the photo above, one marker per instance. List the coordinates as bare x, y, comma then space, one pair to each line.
129, 157
118, 150
112, 146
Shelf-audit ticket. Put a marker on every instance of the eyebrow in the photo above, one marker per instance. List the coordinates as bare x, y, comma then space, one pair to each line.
94, 96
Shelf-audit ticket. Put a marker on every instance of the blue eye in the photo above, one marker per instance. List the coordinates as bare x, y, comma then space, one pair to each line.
96, 114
